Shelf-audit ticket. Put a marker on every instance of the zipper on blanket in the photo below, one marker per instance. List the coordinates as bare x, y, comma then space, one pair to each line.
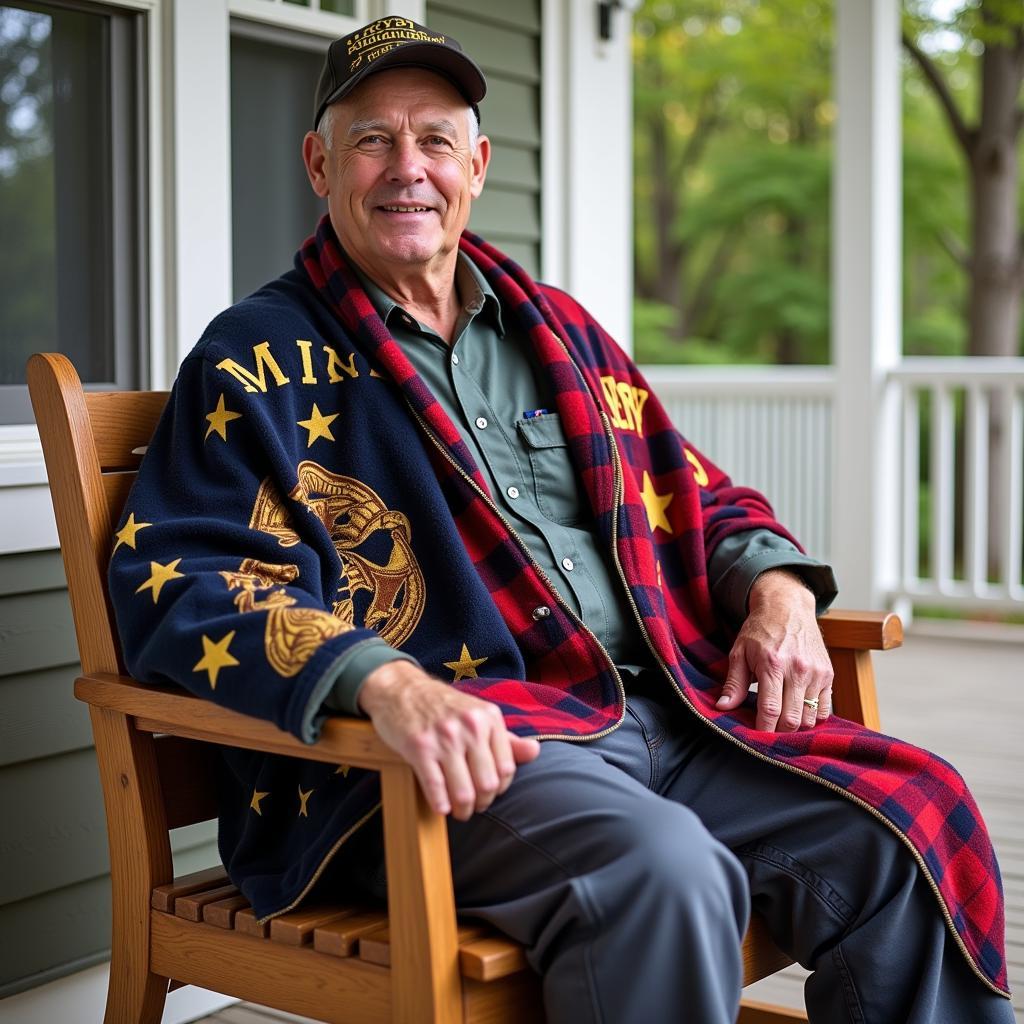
551, 587
616, 461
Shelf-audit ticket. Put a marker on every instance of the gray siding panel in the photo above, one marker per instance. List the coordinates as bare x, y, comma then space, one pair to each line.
40, 716
54, 882
30, 571
518, 14
68, 929
36, 631
504, 39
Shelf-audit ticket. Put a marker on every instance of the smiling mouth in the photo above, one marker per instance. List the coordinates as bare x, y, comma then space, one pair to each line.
394, 208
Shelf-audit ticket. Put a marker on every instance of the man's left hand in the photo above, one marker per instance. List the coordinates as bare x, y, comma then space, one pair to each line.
781, 647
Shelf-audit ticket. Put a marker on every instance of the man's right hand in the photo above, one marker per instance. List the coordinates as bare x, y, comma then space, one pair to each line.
457, 744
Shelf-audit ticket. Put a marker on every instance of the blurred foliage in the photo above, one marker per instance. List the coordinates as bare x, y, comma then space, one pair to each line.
28, 300
733, 154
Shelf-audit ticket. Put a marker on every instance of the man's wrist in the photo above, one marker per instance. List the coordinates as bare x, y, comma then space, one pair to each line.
381, 681
773, 584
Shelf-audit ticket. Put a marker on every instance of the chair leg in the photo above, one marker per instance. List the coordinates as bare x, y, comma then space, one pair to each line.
134, 995
752, 1012
140, 859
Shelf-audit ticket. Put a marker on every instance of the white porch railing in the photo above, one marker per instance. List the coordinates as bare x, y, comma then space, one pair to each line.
958, 519
970, 413
768, 427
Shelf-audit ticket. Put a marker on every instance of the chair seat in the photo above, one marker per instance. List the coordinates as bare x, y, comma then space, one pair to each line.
361, 932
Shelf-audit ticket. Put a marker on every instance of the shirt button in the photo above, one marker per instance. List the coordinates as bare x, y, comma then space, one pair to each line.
455, 360
541, 612
568, 564
481, 422
513, 492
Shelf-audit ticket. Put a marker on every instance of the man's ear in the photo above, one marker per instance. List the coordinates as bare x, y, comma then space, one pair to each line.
481, 158
314, 156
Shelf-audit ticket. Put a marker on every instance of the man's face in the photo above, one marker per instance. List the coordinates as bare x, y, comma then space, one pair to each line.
400, 176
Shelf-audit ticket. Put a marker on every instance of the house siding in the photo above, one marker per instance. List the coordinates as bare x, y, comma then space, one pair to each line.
54, 876
504, 39
54, 870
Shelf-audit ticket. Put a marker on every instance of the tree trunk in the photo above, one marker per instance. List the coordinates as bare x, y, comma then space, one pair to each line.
994, 303
668, 273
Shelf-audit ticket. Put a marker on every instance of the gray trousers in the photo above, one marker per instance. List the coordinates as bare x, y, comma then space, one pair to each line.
628, 867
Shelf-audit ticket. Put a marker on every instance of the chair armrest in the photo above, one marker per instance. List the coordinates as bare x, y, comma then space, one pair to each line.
861, 631
165, 709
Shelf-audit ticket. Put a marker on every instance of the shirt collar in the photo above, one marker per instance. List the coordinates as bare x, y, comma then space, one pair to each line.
470, 281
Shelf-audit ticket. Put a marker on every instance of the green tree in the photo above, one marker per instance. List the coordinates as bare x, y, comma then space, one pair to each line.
732, 173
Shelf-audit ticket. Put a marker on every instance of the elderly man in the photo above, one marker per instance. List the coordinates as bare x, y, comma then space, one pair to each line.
406, 481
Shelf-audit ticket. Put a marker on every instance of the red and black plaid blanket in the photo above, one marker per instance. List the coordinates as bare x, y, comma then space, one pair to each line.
568, 689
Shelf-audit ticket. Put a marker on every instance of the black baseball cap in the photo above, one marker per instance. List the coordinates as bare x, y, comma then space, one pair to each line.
395, 43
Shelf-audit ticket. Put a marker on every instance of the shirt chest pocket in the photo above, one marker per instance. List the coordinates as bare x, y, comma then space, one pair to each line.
555, 487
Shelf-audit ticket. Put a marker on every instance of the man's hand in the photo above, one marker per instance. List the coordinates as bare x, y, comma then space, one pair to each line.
781, 647
457, 744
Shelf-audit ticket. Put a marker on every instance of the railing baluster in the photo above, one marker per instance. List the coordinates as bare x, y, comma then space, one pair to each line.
942, 457
911, 484
976, 417
1015, 520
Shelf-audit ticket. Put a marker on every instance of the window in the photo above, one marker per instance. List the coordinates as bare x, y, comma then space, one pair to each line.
72, 270
273, 209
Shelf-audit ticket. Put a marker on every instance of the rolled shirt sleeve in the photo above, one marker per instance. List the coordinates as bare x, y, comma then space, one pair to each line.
345, 679
739, 559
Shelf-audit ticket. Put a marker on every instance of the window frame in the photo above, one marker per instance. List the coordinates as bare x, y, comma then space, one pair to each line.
128, 228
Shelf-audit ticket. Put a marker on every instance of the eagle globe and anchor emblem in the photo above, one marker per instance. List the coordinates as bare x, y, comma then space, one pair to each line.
381, 585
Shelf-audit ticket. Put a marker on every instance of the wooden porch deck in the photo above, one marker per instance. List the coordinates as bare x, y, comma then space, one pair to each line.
961, 697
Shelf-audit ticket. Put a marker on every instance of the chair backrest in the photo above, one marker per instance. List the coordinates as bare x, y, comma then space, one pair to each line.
93, 443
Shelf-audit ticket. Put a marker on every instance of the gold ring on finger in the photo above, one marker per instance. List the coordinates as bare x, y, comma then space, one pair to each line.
811, 702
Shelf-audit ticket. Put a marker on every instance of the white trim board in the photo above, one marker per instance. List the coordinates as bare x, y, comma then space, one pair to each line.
83, 997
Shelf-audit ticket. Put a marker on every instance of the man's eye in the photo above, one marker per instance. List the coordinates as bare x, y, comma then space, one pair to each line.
437, 140
372, 140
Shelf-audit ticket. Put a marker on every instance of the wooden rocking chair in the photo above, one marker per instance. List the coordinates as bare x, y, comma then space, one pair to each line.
416, 964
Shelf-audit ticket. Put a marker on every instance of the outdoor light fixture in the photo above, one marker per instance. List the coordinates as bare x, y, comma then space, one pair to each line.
604, 14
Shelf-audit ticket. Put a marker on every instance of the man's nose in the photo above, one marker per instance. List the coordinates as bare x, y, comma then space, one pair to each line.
405, 163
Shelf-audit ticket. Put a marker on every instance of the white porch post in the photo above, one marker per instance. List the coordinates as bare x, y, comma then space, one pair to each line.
866, 311
587, 161
197, 48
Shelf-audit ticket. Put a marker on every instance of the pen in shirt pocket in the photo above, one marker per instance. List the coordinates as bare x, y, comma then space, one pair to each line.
529, 414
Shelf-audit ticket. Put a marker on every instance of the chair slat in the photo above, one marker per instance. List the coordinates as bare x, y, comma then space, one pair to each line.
191, 907
375, 946
116, 487
296, 928
164, 896
123, 421
245, 921
187, 773
490, 958
221, 913
339, 938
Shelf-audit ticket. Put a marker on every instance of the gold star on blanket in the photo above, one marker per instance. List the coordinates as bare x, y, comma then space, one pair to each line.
655, 504
318, 425
466, 666
343, 770
126, 535
254, 803
219, 420
303, 799
159, 575
215, 657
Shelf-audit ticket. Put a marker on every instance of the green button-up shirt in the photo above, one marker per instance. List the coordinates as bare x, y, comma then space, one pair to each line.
492, 391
